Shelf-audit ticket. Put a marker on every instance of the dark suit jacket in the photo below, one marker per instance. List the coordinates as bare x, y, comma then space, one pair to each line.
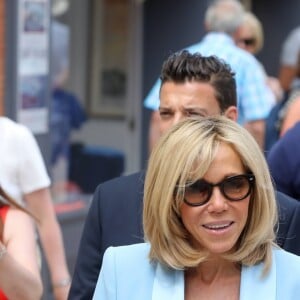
115, 219
284, 161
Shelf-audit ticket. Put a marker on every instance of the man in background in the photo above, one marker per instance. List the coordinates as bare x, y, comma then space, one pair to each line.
223, 19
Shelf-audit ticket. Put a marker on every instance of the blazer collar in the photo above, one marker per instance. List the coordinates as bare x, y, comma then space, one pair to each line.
254, 286
169, 284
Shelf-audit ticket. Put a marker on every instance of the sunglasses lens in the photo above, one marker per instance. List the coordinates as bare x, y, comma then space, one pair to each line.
233, 188
249, 42
236, 188
197, 193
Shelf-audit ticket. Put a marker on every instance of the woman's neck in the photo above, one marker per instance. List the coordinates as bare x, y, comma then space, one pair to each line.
214, 279
213, 269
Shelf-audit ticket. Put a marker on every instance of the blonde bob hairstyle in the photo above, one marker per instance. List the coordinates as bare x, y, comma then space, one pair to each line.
184, 154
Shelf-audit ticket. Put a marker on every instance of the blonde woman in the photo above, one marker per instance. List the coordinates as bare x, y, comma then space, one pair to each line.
209, 218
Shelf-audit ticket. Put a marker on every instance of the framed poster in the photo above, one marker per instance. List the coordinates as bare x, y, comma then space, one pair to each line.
33, 64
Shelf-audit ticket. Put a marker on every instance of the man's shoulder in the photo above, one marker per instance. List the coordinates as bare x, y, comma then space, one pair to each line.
286, 146
285, 201
289, 222
121, 189
292, 134
136, 179
222, 45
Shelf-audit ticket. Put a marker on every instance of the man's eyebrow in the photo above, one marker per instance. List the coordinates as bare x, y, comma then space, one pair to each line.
164, 107
195, 108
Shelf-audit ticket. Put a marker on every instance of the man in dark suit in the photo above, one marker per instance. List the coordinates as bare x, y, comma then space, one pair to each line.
191, 85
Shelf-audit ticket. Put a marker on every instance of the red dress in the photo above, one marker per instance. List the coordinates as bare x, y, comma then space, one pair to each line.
3, 212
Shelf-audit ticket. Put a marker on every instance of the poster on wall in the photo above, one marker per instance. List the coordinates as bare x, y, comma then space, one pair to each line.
33, 64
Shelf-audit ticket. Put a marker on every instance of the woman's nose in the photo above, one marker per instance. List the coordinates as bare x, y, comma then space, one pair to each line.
217, 202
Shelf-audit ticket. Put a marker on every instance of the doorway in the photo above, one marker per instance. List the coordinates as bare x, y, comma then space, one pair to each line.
105, 74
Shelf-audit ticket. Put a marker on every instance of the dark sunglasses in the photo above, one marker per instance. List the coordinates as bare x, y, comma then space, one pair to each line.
234, 188
248, 42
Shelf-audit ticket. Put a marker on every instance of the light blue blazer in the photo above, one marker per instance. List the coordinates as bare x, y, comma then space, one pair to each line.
127, 274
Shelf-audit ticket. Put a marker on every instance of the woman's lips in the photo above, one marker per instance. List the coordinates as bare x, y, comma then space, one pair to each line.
218, 226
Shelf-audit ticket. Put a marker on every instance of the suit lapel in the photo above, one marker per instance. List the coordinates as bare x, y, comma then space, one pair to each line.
253, 286
168, 284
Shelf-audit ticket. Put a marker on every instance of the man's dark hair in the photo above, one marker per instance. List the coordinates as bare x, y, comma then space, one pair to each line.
184, 66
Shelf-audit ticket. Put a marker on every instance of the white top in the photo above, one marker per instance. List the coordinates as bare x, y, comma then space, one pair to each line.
22, 169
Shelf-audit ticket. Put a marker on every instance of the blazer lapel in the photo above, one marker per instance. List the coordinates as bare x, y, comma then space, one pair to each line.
168, 284
254, 286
